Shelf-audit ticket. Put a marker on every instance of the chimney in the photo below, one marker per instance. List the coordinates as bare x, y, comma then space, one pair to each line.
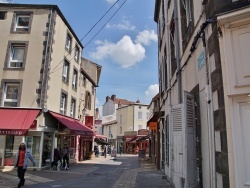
119, 104
113, 97
107, 98
97, 113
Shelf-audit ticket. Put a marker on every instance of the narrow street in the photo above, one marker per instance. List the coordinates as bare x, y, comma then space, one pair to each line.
124, 172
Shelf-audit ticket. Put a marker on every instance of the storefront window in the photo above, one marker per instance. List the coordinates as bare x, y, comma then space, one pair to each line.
12, 144
9, 146
33, 144
47, 147
72, 147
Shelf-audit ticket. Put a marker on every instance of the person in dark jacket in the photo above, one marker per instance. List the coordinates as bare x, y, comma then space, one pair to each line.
57, 158
65, 154
21, 162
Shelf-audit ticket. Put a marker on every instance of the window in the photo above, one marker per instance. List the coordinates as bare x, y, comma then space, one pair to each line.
77, 52
2, 15
93, 89
139, 115
65, 76
68, 43
139, 127
147, 115
88, 100
83, 79
16, 55
63, 104
72, 108
74, 80
120, 118
9, 146
120, 130
11, 94
22, 22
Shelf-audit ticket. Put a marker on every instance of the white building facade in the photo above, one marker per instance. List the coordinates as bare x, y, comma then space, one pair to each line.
204, 87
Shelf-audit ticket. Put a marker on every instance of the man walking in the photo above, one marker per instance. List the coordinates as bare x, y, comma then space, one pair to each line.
65, 152
21, 163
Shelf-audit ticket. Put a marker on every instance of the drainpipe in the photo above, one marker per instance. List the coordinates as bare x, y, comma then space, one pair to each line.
177, 50
213, 177
170, 130
44, 80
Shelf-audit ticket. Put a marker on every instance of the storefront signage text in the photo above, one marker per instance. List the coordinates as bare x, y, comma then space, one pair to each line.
13, 132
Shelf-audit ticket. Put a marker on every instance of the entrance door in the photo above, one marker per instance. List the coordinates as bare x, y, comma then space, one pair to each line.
241, 140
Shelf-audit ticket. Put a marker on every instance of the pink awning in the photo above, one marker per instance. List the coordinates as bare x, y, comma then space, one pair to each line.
100, 136
16, 121
75, 126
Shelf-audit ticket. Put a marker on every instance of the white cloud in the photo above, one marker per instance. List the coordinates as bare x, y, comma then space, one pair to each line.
125, 52
111, 1
152, 91
146, 36
123, 25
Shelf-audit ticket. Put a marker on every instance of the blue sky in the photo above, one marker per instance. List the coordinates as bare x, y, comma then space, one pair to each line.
126, 47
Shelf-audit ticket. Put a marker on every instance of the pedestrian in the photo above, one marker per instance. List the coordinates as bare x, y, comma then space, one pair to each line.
105, 151
120, 150
96, 149
57, 158
65, 152
21, 162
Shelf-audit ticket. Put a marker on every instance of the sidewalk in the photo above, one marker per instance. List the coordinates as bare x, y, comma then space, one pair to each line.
125, 171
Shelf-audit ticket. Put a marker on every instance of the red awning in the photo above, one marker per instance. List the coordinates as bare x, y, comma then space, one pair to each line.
100, 136
75, 126
16, 121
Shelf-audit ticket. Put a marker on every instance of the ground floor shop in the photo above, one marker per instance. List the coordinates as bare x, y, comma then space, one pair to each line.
42, 132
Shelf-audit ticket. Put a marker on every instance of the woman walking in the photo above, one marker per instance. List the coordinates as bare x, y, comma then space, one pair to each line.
23, 155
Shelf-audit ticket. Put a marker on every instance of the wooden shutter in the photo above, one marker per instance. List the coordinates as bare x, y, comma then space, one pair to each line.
190, 140
178, 139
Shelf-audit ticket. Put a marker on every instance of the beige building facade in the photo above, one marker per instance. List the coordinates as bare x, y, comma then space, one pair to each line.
42, 73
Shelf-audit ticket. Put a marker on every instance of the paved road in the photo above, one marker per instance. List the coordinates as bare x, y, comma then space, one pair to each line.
125, 172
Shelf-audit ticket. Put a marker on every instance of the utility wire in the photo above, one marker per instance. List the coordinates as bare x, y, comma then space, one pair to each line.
85, 36
105, 23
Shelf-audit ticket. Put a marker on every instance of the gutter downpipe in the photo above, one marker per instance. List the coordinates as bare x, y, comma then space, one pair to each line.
177, 50
209, 101
44, 84
169, 97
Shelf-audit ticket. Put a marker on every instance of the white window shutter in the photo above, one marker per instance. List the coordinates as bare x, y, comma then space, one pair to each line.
190, 140
178, 139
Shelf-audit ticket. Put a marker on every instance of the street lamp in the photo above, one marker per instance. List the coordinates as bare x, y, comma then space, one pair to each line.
84, 110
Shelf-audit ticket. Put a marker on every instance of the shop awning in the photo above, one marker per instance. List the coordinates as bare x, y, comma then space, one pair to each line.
16, 121
100, 141
100, 136
143, 138
75, 126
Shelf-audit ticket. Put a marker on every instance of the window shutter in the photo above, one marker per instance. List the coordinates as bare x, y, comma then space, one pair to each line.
178, 139
190, 140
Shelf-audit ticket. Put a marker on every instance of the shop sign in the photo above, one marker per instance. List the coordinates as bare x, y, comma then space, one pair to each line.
153, 125
89, 120
98, 122
201, 60
78, 132
143, 132
13, 132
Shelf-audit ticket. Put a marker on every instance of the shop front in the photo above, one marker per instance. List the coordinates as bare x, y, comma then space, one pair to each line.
77, 136
17, 126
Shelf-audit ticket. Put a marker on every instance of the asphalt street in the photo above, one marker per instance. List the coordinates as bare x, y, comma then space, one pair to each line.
124, 172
